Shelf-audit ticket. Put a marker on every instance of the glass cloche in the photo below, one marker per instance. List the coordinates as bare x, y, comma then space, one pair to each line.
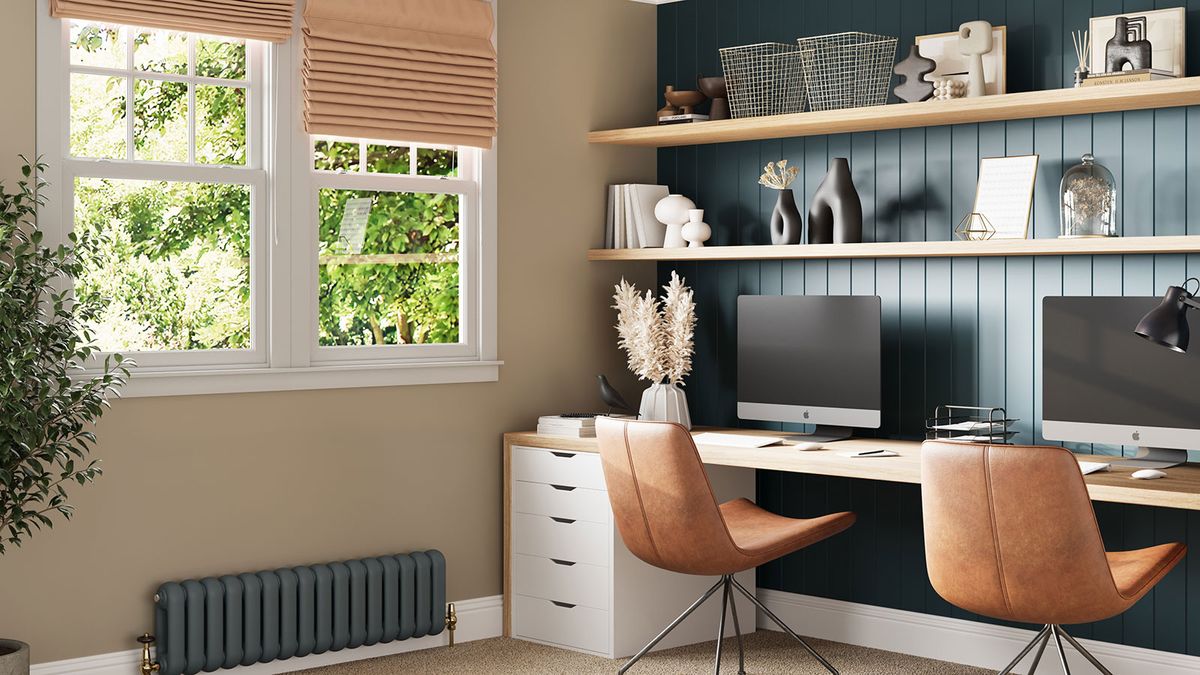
1088, 198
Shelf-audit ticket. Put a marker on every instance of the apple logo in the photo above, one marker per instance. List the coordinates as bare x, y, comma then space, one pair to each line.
1137, 435
805, 414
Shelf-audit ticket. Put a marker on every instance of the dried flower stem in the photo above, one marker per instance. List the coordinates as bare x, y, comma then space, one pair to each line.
658, 339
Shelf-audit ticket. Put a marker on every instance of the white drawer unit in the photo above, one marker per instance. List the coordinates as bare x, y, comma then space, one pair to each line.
571, 582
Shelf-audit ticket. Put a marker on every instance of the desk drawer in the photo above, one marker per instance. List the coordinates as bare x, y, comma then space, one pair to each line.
574, 583
578, 627
564, 501
558, 467
579, 541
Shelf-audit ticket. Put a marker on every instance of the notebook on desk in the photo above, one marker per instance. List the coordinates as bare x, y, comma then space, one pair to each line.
736, 440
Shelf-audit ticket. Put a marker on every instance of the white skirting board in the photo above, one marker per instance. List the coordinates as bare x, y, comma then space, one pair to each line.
957, 640
478, 619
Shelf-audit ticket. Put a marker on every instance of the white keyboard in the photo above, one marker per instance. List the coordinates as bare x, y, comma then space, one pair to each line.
1093, 467
735, 440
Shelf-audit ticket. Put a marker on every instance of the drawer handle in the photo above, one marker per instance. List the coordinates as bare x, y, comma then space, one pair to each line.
564, 455
564, 563
564, 488
565, 521
564, 605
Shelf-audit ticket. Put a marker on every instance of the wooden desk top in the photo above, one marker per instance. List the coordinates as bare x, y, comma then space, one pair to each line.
1179, 490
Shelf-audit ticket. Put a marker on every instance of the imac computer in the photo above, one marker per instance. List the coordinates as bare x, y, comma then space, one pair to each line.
1102, 383
810, 359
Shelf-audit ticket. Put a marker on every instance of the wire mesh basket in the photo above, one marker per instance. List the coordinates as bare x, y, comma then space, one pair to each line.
847, 70
763, 79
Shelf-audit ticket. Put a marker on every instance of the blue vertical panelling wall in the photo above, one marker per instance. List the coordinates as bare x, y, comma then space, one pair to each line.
964, 330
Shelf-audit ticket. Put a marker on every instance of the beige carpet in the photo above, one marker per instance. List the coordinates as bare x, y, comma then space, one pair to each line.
766, 652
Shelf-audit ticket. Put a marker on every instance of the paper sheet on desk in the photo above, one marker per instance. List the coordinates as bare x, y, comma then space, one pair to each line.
867, 454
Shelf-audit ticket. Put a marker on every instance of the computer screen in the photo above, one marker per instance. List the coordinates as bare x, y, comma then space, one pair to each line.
1102, 383
813, 359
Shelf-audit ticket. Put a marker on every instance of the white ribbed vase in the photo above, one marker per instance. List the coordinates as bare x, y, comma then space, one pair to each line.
665, 403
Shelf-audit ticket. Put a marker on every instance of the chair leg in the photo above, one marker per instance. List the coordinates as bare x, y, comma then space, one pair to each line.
721, 624
1086, 654
1037, 657
737, 630
670, 627
1043, 636
784, 626
1062, 653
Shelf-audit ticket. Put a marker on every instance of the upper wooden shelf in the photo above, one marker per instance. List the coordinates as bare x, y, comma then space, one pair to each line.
914, 249
1025, 105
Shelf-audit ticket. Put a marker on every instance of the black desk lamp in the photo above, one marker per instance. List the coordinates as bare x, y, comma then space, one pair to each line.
1167, 324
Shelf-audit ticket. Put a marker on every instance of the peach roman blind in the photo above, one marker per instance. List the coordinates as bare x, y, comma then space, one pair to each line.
401, 70
251, 19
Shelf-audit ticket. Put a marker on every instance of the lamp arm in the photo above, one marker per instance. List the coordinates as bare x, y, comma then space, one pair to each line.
1191, 301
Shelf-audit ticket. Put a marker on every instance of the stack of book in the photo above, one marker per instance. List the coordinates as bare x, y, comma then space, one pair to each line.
574, 425
1121, 77
631, 222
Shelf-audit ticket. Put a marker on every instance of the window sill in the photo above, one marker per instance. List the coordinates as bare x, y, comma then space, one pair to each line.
149, 383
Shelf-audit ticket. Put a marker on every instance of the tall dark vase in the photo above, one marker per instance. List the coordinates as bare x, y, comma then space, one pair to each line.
835, 216
787, 225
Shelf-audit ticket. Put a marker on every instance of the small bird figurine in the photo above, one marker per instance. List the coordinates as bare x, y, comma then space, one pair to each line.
611, 397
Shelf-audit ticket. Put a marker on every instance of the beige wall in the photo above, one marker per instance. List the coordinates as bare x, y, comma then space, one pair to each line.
215, 484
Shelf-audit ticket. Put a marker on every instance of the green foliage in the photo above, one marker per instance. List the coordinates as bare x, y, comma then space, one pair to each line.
45, 414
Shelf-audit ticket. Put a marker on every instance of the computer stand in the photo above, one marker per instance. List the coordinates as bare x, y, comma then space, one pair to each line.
826, 433
1154, 458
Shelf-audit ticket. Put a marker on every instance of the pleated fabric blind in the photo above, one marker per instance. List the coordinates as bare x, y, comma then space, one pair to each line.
401, 70
269, 20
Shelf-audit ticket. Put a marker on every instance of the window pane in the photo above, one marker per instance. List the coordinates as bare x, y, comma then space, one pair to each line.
168, 260
160, 121
160, 51
435, 162
387, 159
402, 285
97, 116
225, 59
335, 156
220, 125
93, 44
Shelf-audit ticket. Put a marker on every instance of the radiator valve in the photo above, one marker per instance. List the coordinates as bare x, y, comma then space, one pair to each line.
148, 666
451, 621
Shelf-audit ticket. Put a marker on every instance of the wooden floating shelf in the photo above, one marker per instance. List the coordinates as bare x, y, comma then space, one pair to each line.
1024, 105
914, 249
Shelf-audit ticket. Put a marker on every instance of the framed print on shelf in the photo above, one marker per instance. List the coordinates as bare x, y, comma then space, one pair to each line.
1163, 28
1004, 194
943, 49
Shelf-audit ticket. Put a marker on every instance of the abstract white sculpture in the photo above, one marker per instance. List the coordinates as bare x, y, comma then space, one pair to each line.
975, 40
672, 211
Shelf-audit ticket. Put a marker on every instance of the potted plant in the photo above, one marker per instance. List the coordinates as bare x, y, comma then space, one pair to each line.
47, 404
658, 339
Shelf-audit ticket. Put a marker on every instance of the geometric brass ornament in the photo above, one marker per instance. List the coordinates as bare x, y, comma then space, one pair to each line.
974, 227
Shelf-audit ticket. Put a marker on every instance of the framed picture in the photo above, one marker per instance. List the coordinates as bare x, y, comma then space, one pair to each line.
1005, 194
943, 49
1164, 28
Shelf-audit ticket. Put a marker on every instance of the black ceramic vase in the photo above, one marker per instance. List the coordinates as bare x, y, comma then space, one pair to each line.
835, 216
787, 225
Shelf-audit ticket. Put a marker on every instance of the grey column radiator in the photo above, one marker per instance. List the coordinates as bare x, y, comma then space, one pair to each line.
222, 622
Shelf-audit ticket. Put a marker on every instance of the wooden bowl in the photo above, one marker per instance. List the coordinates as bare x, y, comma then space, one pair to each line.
685, 100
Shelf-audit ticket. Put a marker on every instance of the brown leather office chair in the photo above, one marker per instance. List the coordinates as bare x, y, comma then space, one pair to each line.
1010, 533
667, 515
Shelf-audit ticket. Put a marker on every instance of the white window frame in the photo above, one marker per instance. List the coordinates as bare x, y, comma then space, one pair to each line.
284, 354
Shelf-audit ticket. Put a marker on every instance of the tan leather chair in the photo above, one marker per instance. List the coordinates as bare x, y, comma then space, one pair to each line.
1010, 533
667, 515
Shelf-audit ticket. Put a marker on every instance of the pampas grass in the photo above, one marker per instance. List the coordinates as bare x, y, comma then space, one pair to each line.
658, 338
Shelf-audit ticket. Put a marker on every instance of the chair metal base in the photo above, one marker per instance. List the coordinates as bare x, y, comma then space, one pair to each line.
1042, 639
728, 584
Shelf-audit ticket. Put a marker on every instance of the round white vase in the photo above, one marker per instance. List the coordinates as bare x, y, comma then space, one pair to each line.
672, 211
696, 231
665, 403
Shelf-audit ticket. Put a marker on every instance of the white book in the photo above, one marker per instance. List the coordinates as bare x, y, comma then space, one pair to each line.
619, 240
559, 420
632, 237
639, 203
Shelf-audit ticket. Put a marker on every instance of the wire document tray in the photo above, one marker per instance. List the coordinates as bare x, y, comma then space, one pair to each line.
847, 70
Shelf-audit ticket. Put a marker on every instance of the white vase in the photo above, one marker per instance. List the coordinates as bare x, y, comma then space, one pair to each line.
672, 212
696, 231
665, 403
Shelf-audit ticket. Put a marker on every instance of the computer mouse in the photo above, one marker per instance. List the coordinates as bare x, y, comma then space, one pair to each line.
1148, 474
808, 446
